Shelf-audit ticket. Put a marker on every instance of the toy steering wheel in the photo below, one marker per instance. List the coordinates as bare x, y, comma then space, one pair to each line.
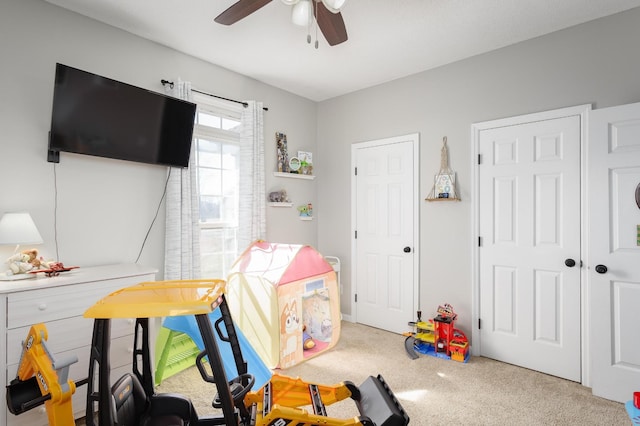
239, 387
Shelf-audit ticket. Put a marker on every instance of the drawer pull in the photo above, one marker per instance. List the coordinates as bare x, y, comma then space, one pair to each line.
42, 306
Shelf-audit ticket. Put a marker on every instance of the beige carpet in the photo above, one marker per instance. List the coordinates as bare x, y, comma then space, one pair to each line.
435, 391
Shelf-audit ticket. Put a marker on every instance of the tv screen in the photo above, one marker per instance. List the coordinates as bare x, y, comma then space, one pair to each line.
99, 116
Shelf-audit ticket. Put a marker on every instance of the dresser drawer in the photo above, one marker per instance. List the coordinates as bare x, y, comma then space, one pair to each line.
65, 335
35, 306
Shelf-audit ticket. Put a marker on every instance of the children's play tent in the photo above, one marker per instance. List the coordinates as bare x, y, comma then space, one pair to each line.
279, 293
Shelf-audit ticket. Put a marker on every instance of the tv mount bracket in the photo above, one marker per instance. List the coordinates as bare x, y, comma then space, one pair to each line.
52, 156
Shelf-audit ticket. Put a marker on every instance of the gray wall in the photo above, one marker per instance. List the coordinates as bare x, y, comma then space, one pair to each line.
595, 63
106, 206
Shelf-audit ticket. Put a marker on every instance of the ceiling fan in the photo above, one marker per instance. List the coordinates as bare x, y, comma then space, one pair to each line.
325, 12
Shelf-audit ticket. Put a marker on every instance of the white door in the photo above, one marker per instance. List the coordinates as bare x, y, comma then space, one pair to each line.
385, 197
614, 250
529, 248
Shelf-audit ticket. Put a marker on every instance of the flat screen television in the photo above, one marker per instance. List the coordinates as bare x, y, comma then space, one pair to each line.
98, 116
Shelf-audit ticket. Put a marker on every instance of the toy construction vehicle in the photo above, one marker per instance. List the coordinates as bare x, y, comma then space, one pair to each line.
132, 400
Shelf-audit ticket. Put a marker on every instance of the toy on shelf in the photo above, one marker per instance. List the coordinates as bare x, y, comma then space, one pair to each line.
438, 337
306, 210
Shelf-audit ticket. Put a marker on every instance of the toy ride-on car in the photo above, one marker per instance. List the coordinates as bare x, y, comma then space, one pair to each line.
132, 400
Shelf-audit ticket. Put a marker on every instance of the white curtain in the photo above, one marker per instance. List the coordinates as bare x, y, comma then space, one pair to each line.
182, 229
252, 215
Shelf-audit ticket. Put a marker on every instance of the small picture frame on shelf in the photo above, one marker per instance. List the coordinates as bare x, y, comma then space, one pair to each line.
444, 185
305, 157
294, 164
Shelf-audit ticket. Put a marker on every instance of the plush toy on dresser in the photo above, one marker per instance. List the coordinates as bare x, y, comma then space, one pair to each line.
26, 261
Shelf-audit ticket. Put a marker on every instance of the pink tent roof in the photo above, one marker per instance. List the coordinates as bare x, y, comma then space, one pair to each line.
281, 263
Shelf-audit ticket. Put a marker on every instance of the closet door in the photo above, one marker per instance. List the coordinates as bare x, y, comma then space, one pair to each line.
529, 258
614, 250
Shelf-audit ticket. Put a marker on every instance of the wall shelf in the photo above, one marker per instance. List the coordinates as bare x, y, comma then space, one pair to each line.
306, 217
442, 199
294, 175
271, 204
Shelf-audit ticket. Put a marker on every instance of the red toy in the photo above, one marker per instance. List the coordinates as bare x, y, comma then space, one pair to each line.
438, 337
54, 269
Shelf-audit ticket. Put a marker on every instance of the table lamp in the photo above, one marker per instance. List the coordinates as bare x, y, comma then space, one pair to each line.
18, 228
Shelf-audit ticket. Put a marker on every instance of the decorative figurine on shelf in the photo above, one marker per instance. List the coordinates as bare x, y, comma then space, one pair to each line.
283, 155
306, 168
306, 158
305, 210
278, 196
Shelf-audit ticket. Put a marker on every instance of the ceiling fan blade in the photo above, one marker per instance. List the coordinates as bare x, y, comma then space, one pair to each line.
240, 9
331, 24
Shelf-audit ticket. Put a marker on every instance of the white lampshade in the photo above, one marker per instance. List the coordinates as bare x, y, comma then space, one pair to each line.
334, 6
18, 228
301, 13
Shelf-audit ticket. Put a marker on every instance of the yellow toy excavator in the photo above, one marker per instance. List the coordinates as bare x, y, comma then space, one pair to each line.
42, 379
132, 399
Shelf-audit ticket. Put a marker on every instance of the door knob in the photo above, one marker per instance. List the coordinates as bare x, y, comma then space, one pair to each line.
407, 249
570, 263
601, 269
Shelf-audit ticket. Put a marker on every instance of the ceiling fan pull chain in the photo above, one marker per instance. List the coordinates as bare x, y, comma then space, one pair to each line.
315, 18
310, 24
316, 34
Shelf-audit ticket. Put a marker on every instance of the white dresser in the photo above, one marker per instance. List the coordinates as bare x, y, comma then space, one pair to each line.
60, 302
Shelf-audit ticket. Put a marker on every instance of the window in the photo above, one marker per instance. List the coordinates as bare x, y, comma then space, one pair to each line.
216, 137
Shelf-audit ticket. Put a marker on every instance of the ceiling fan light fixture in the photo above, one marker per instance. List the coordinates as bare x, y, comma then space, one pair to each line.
301, 13
334, 6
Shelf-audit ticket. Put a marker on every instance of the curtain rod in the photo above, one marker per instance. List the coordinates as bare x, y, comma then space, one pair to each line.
244, 104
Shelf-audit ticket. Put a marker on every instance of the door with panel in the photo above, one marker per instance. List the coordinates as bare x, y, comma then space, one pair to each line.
385, 231
529, 254
614, 250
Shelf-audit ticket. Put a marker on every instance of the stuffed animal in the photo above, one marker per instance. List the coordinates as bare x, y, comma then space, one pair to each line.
33, 257
278, 196
19, 263
307, 340
25, 261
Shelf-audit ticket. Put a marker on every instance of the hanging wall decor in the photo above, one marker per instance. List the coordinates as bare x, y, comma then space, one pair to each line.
444, 184
283, 155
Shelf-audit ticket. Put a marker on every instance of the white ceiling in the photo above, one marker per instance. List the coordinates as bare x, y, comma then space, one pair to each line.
388, 39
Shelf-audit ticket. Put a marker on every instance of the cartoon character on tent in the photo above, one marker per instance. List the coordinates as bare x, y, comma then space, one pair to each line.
291, 332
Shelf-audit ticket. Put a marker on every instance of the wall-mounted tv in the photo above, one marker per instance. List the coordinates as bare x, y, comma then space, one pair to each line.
98, 116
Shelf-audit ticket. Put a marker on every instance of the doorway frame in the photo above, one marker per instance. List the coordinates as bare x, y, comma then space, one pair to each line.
415, 139
583, 112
